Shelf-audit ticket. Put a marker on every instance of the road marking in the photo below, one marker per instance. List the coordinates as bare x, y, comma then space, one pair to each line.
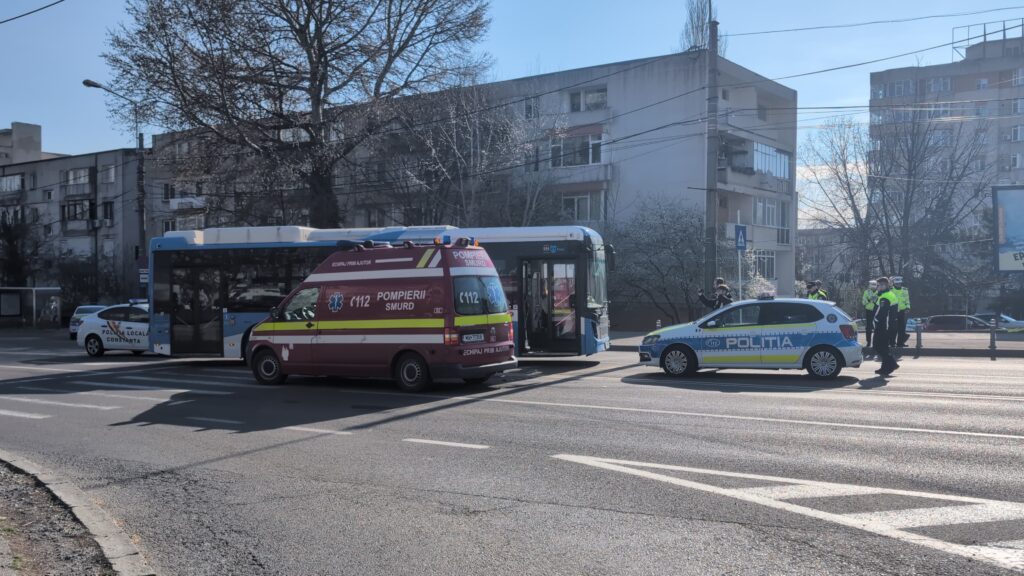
91, 393
142, 387
58, 403
214, 420
28, 415
795, 491
442, 443
20, 367
1004, 557
1014, 544
751, 418
932, 516
198, 383
317, 430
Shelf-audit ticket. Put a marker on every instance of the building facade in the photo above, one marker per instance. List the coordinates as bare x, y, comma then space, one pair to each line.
73, 222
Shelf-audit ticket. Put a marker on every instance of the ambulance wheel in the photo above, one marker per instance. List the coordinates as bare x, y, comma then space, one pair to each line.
267, 368
93, 345
679, 361
823, 363
412, 373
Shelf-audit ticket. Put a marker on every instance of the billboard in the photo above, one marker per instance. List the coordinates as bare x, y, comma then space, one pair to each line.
1009, 221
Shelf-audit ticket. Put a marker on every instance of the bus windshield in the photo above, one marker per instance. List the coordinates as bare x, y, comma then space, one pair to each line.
597, 290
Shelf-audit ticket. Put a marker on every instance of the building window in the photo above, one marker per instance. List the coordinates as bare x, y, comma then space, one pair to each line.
583, 207
48, 193
182, 148
771, 212
725, 93
762, 113
771, 160
532, 105
168, 191
1017, 78
901, 88
938, 84
80, 210
532, 162
588, 99
575, 150
47, 229
1018, 106
169, 226
193, 222
108, 210
878, 91
982, 83
1017, 133
12, 183
764, 263
1014, 161
979, 164
76, 176
107, 174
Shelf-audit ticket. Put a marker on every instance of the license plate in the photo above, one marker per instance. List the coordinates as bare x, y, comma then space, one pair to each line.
472, 338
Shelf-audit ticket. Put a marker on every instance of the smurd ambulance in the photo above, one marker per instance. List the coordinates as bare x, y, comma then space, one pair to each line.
767, 333
414, 313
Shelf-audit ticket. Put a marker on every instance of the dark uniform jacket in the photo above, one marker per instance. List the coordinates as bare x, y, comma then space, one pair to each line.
885, 313
719, 301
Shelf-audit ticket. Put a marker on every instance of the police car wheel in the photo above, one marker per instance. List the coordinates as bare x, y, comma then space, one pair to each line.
678, 361
267, 368
824, 364
93, 345
412, 373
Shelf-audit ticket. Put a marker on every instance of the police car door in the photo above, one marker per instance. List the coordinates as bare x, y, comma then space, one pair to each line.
732, 339
112, 326
788, 330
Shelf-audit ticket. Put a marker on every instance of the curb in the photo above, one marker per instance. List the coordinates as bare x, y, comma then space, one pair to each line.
909, 352
120, 551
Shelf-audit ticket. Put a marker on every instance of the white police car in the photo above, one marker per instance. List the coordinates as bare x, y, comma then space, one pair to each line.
767, 333
119, 327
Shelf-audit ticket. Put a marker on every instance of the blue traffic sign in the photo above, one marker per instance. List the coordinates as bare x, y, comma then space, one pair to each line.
741, 237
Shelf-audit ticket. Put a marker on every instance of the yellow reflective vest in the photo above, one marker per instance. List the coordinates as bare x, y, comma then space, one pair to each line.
902, 298
819, 295
870, 299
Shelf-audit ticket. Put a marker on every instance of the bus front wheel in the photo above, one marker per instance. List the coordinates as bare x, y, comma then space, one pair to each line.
267, 368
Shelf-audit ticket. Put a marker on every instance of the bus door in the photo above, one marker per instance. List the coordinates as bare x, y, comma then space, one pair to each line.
197, 322
548, 318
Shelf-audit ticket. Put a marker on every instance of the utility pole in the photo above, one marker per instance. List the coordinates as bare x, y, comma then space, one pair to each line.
711, 183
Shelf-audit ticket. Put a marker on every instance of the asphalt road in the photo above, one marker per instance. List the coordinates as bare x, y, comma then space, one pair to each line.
562, 467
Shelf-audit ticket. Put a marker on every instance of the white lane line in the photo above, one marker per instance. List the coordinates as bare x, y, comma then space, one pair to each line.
442, 443
196, 382
317, 430
28, 415
753, 418
40, 368
58, 403
940, 515
795, 491
1003, 557
1012, 544
101, 394
142, 387
214, 420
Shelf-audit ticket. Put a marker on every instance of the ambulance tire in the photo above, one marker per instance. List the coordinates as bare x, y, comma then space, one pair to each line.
412, 373
267, 368
823, 363
93, 346
679, 361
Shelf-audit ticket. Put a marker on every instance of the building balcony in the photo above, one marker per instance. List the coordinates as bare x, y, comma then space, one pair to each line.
73, 191
582, 174
735, 178
188, 203
12, 198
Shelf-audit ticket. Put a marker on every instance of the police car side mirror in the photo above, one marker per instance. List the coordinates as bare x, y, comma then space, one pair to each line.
711, 324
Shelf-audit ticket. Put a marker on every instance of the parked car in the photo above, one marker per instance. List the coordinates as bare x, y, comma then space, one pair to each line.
956, 323
76, 318
119, 327
1005, 320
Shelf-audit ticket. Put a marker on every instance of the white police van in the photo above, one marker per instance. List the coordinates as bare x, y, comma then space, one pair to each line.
767, 333
119, 327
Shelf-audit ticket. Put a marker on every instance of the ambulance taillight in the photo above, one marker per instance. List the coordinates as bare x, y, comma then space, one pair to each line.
451, 337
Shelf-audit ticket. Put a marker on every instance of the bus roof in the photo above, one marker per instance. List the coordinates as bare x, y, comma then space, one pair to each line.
269, 235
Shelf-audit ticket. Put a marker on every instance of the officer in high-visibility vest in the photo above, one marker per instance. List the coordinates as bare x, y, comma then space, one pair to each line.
870, 300
885, 325
814, 291
900, 336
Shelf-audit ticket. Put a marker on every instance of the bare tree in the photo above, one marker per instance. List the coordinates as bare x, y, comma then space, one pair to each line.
305, 81
697, 31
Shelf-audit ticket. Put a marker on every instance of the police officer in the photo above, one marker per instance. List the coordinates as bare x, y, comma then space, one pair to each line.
814, 291
885, 326
870, 300
721, 299
903, 308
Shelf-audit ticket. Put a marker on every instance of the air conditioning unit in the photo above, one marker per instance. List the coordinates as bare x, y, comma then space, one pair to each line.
94, 224
108, 222
1008, 137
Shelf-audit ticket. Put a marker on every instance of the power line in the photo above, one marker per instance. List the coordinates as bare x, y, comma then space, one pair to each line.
30, 12
872, 22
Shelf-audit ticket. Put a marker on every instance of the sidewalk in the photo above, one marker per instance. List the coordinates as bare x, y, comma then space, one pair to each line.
967, 344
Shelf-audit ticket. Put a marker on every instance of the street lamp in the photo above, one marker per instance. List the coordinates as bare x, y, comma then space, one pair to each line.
140, 176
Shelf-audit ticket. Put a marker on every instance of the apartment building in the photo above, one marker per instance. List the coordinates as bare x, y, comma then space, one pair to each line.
610, 140
79, 222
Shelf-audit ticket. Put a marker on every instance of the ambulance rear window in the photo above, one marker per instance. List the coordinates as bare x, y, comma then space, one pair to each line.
479, 295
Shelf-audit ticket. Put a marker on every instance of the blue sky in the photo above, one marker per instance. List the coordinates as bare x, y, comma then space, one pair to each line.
47, 55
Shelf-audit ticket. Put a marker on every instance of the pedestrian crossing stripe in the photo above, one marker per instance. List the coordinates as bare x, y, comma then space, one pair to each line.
889, 523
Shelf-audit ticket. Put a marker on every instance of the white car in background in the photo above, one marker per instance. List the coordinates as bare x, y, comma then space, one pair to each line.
1005, 321
76, 318
119, 327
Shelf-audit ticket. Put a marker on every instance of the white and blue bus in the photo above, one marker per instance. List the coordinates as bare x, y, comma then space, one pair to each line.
209, 287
